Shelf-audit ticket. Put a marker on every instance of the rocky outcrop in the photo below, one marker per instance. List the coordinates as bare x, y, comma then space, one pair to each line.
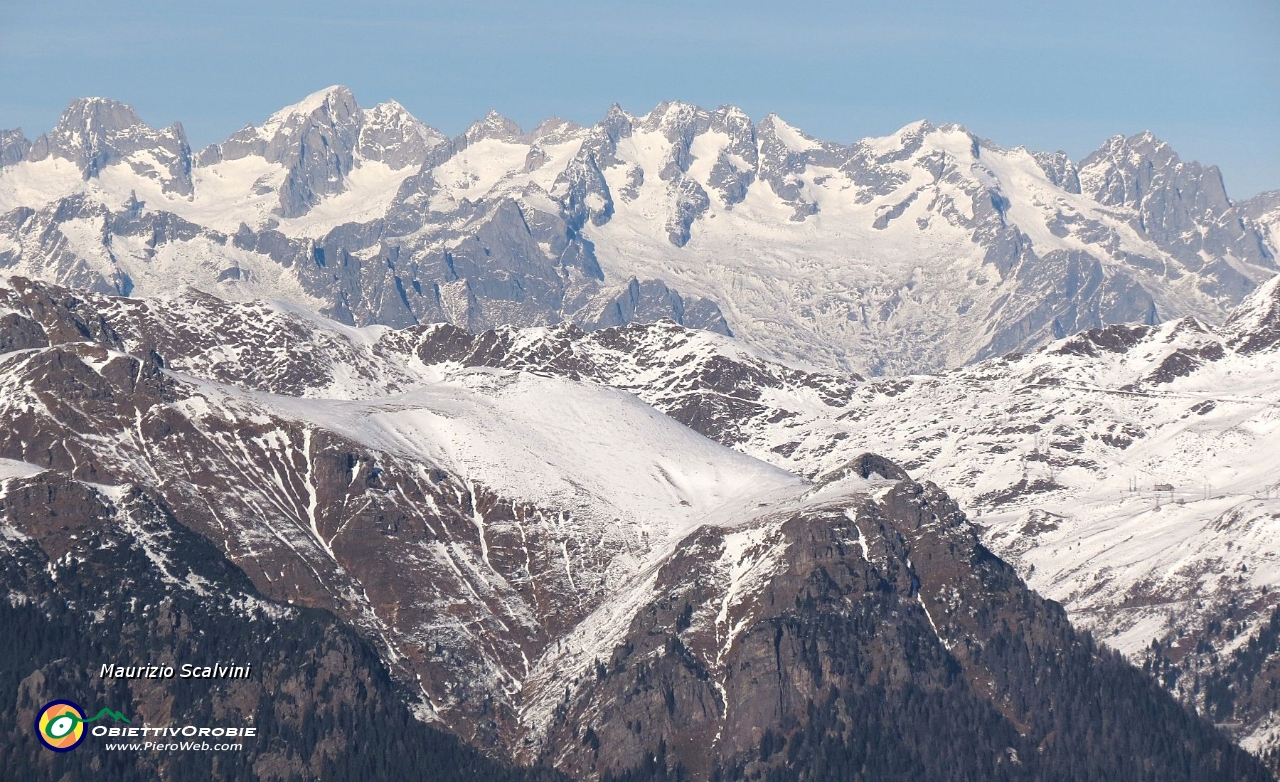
13, 146
1182, 206
94, 133
871, 636
99, 576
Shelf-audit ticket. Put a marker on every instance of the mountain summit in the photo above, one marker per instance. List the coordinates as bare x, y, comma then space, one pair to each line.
928, 248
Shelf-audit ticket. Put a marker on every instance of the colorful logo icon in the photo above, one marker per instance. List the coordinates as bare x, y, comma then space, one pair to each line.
60, 724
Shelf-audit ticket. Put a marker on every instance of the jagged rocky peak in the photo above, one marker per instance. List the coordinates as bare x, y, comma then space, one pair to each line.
1254, 326
331, 106
14, 146
907, 139
617, 122
1183, 207
676, 119
785, 154
1060, 169
332, 109
1126, 171
924, 141
1263, 206
679, 123
774, 130
278, 138
729, 115
95, 133
316, 140
494, 126
322, 138
736, 124
391, 135
88, 119
738, 160
554, 129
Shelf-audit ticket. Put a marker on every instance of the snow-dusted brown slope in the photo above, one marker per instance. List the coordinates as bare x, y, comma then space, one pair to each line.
541, 558
1057, 453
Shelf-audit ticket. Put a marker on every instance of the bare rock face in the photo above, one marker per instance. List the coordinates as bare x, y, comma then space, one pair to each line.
100, 576
869, 635
1255, 326
95, 133
19, 333
1174, 200
13, 146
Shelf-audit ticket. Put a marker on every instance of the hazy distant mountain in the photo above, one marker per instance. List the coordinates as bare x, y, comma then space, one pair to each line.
925, 249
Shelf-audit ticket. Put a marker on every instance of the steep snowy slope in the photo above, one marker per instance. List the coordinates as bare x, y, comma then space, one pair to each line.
857, 631
540, 558
462, 519
1057, 453
107, 573
925, 249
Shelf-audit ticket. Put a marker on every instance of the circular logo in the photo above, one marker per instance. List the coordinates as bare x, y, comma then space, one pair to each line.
60, 726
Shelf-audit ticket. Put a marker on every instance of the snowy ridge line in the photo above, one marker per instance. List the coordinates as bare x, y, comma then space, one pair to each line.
928, 248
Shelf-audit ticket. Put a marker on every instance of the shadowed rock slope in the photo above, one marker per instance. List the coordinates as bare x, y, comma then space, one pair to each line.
868, 635
96, 575
677, 609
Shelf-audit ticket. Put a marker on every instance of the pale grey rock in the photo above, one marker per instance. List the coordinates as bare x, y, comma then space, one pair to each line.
390, 134
1061, 294
736, 164
315, 141
553, 130
1183, 207
95, 133
1254, 326
679, 123
321, 140
494, 126
1263, 213
635, 180
581, 187
873, 175
1060, 169
784, 167
584, 193
691, 203
894, 212
321, 157
38, 241
702, 313
13, 146
649, 301
1263, 206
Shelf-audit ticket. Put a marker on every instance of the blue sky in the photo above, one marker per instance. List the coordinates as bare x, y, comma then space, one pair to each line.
1203, 75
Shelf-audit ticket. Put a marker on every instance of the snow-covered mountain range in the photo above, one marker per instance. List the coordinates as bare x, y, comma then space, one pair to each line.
922, 250
500, 513
1058, 455
679, 436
